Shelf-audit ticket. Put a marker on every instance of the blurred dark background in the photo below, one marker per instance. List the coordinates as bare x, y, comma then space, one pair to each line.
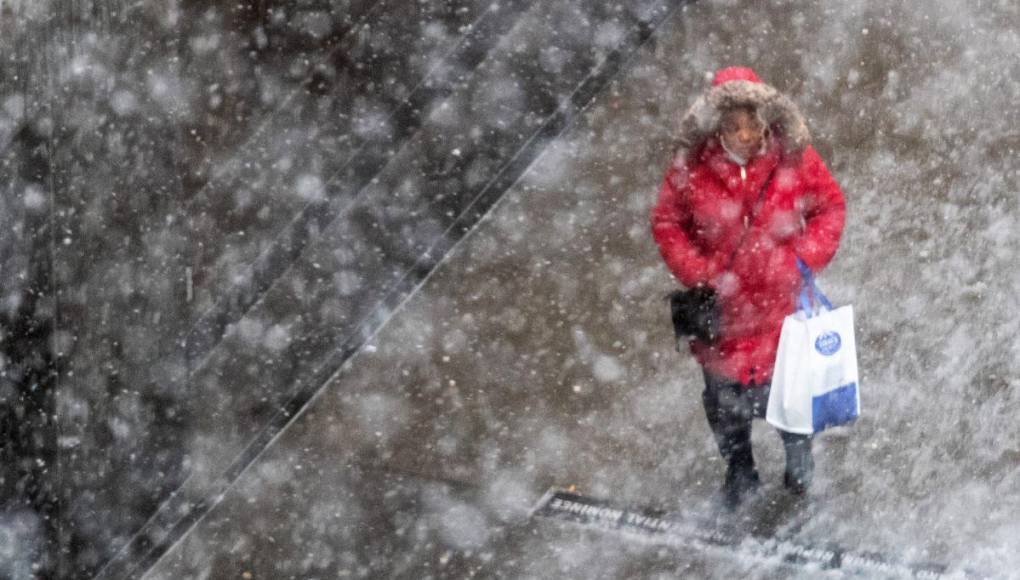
209, 206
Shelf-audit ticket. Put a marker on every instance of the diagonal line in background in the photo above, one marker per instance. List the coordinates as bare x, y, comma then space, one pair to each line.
179, 515
206, 333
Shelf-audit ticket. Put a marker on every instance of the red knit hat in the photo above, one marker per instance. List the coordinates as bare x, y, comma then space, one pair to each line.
735, 73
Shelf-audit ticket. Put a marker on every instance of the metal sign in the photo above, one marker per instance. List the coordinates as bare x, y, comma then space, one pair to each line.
662, 527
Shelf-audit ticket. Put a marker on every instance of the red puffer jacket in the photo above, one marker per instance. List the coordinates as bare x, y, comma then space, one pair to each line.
739, 229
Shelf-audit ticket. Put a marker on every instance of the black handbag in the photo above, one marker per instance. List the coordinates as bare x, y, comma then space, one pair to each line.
695, 315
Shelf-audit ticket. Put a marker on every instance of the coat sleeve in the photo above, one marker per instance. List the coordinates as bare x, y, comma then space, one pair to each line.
824, 214
671, 223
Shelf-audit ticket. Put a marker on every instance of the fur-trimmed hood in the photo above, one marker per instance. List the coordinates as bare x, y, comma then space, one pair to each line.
734, 87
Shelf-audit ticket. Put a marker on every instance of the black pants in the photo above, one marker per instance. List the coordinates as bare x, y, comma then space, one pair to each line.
730, 407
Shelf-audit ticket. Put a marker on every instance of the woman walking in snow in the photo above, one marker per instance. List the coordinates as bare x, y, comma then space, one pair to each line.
744, 197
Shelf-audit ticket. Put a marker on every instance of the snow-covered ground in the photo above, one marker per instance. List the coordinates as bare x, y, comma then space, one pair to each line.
540, 354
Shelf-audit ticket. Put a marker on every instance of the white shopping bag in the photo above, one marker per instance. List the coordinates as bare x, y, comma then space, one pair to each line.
814, 384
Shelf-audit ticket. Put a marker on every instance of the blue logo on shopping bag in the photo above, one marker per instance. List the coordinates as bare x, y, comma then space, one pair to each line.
828, 343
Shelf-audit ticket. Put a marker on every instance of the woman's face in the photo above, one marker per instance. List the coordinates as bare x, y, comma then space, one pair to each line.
742, 132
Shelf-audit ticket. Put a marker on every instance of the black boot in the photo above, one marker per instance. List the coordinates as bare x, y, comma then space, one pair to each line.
741, 477
729, 413
800, 465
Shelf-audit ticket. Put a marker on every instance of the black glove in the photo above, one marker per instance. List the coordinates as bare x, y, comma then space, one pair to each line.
695, 314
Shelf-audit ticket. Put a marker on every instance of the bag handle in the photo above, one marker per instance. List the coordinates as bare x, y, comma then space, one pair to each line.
810, 294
